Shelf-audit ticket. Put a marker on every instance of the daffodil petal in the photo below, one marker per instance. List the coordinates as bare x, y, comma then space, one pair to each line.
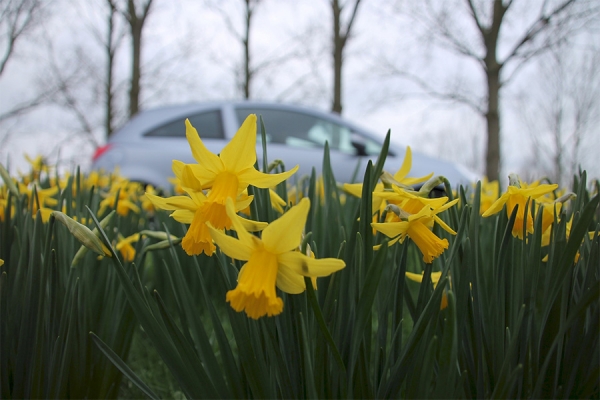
240, 152
204, 175
252, 226
183, 216
444, 226
394, 241
261, 180
289, 281
201, 154
414, 277
496, 206
243, 202
307, 266
435, 277
237, 224
391, 229
189, 180
276, 201
355, 189
177, 168
198, 197
413, 181
405, 167
444, 207
234, 248
172, 203
285, 233
46, 213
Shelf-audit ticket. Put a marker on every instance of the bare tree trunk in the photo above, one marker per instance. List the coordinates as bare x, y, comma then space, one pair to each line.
492, 69
136, 24
492, 117
134, 91
110, 61
558, 155
246, 43
340, 38
338, 49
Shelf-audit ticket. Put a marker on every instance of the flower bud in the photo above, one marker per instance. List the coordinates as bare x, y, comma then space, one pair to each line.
8, 181
82, 233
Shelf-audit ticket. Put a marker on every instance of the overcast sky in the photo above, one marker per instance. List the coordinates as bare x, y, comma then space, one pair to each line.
203, 55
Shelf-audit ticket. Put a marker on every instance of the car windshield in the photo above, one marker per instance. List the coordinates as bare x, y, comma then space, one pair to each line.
303, 130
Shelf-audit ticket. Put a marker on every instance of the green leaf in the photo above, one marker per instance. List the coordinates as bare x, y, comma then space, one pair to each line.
124, 368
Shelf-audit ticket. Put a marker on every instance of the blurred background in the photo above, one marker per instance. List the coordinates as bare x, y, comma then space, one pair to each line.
499, 86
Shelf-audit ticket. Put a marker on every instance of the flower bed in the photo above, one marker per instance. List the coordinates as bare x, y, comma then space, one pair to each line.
255, 284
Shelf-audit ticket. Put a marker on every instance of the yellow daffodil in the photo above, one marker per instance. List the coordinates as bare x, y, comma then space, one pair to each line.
147, 205
548, 232
490, 192
98, 180
435, 278
399, 179
226, 175
128, 196
3, 201
124, 245
408, 201
519, 194
418, 228
1, 262
276, 201
195, 209
38, 166
272, 261
42, 201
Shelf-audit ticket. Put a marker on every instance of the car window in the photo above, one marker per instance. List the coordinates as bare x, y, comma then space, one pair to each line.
296, 129
208, 124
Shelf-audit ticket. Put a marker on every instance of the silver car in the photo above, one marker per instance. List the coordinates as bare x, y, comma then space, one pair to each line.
145, 146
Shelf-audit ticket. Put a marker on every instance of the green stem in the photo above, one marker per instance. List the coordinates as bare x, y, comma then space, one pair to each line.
312, 298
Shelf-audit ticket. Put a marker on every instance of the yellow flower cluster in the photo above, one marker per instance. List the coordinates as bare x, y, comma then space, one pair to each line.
520, 195
42, 188
408, 213
215, 190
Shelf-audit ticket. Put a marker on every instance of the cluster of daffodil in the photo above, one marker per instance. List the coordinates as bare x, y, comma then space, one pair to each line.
215, 190
41, 188
408, 213
521, 195
529, 199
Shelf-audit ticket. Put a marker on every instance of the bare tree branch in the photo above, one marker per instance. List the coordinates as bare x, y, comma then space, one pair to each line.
430, 90
436, 26
26, 106
65, 78
16, 18
538, 27
348, 29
